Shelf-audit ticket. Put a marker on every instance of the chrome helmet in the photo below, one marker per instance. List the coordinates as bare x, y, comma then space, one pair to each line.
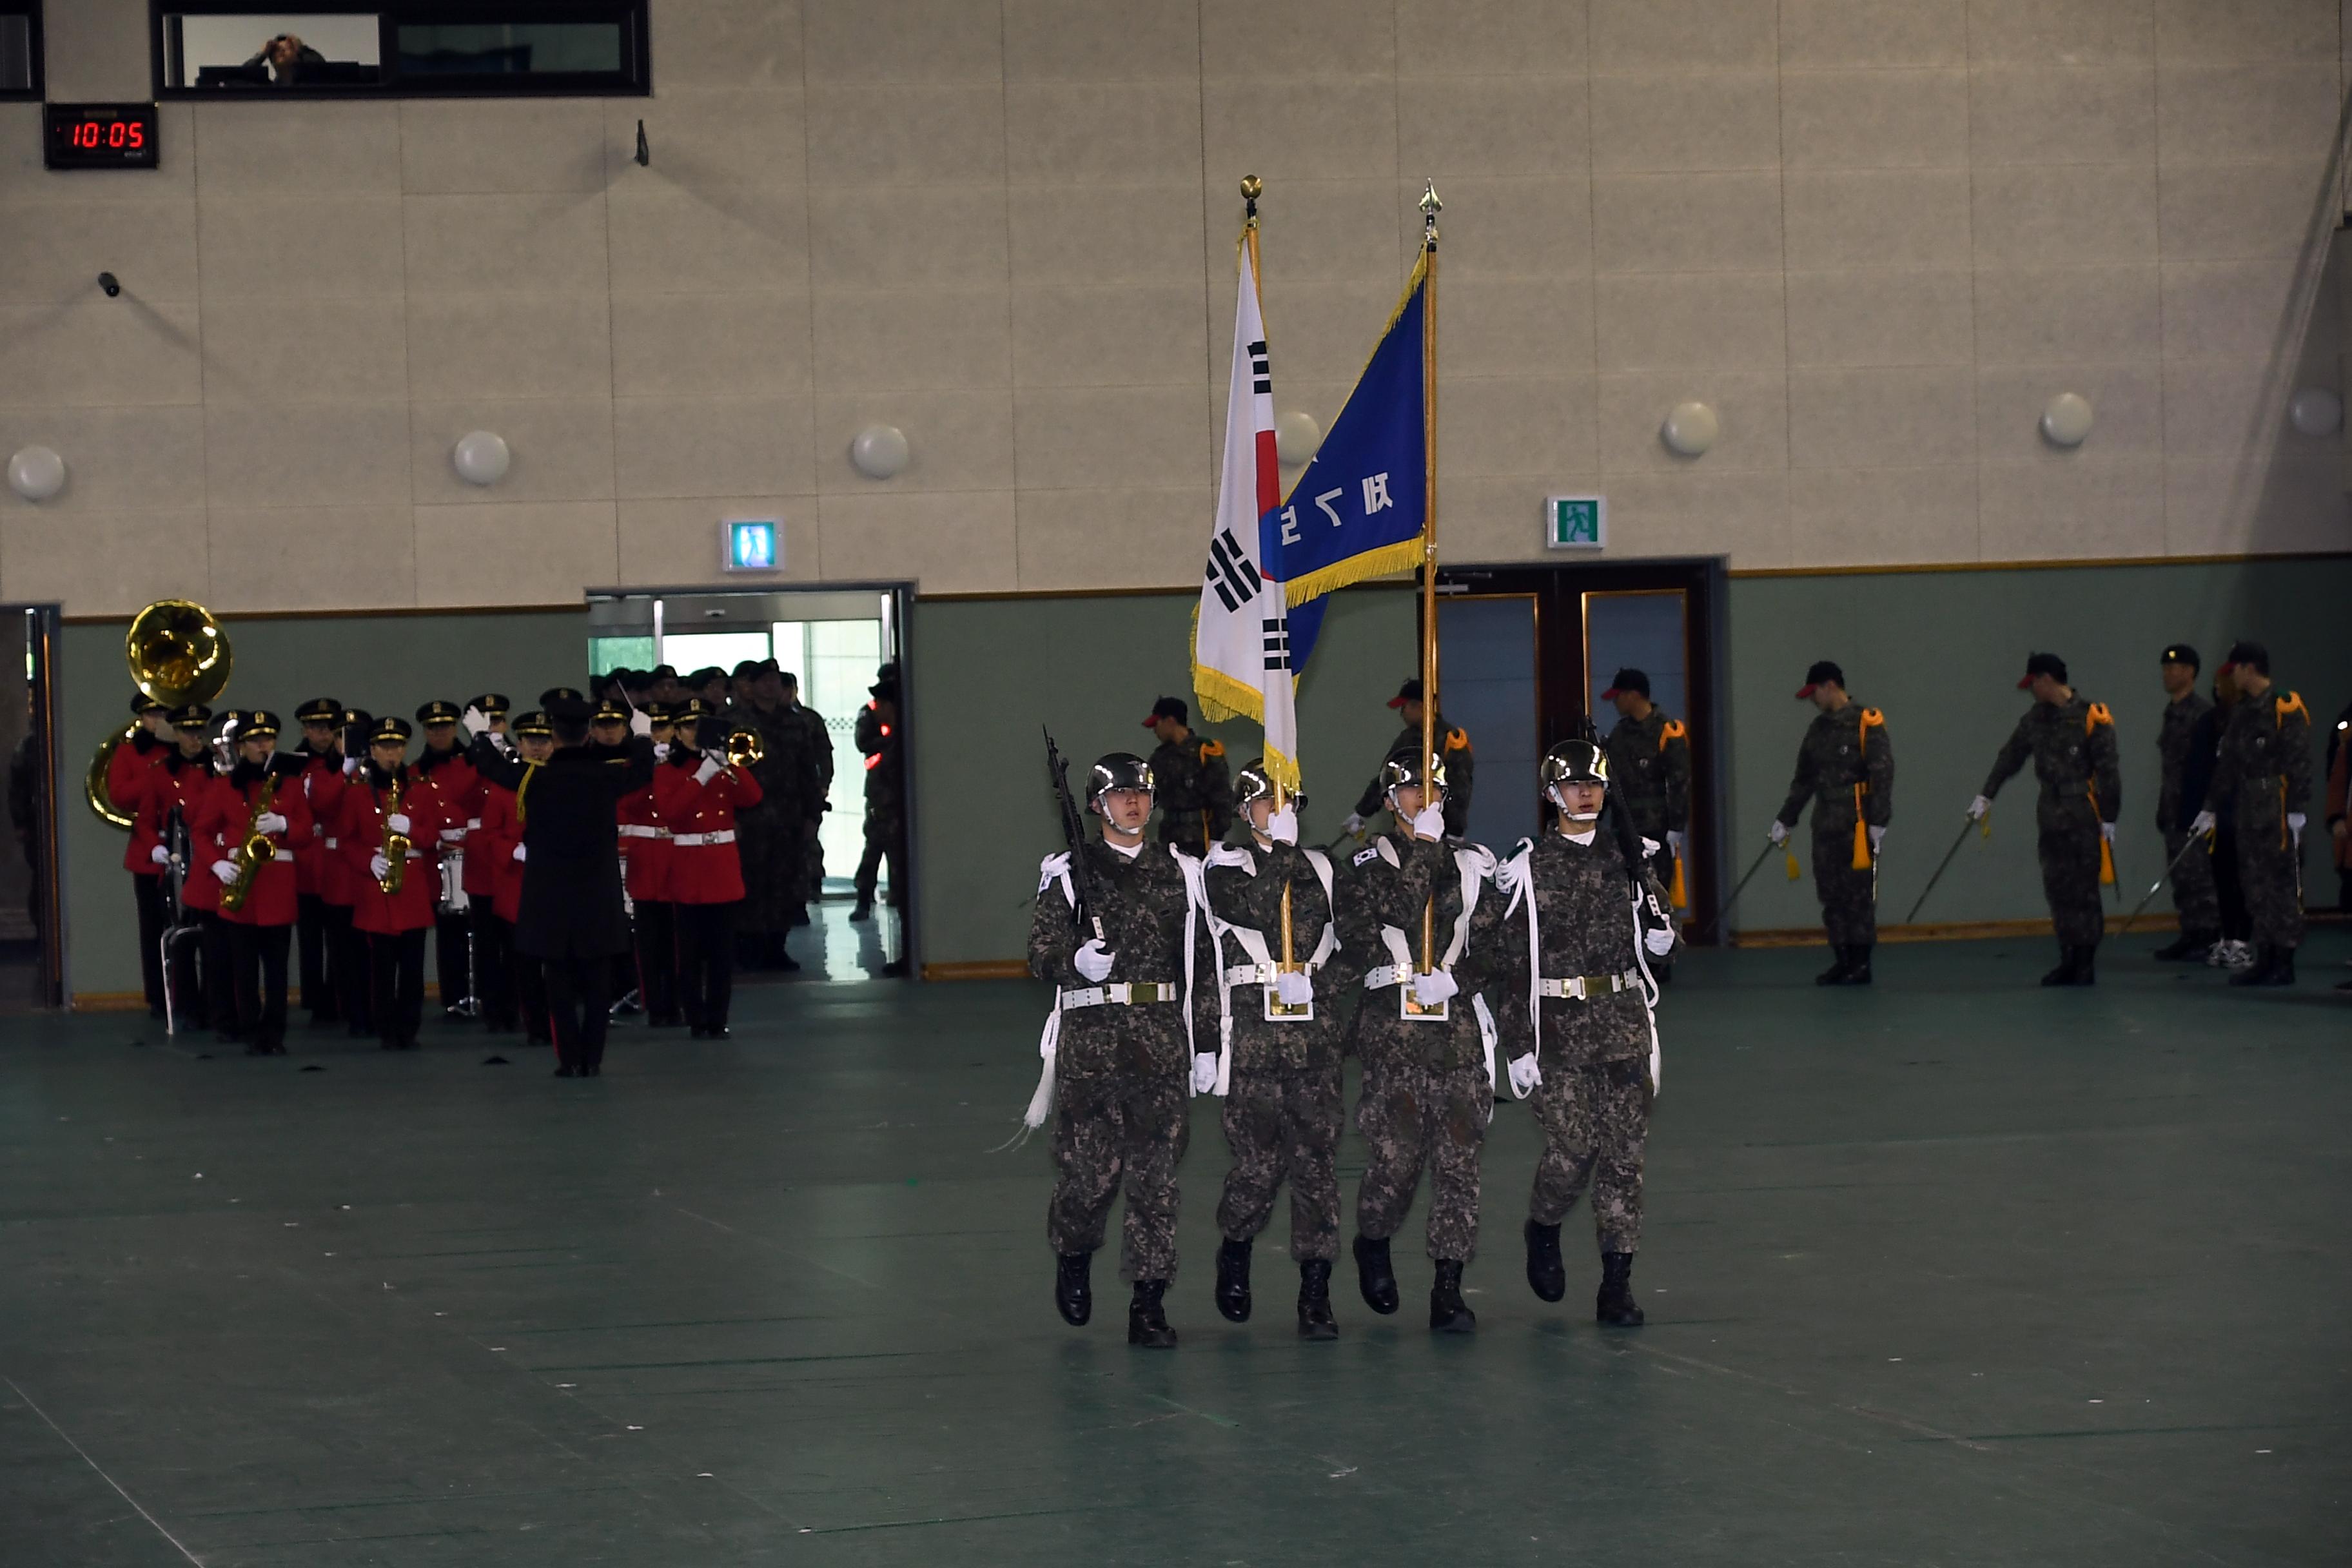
1253, 783
1119, 770
1403, 767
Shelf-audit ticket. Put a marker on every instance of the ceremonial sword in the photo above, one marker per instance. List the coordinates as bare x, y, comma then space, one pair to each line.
2157, 886
1946, 860
1714, 923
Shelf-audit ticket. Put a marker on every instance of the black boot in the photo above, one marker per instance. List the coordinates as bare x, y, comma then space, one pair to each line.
1835, 973
865, 910
2064, 974
2189, 947
1233, 1280
2086, 966
1615, 1305
1547, 1274
1146, 1321
2259, 972
1074, 1296
1315, 1320
1374, 1277
2282, 966
1857, 969
1447, 1313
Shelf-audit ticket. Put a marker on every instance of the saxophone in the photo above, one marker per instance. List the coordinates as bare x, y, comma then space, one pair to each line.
395, 850
257, 850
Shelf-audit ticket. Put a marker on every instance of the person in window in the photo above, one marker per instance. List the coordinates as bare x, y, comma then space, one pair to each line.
286, 56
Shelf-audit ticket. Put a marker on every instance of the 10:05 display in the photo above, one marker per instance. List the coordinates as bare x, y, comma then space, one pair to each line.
101, 136
128, 135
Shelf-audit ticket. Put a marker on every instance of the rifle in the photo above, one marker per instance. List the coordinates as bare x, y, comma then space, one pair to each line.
1089, 913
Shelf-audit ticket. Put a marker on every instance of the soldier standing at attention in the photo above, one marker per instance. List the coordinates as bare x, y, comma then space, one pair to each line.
1280, 1072
1453, 759
2192, 873
817, 740
881, 737
1649, 765
2072, 744
1412, 914
1845, 765
1117, 1049
2261, 784
1196, 791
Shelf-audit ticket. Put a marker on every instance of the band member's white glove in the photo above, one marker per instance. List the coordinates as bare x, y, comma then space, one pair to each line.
378, 866
1525, 1075
1293, 988
475, 721
1429, 823
269, 822
1675, 844
518, 854
226, 870
1204, 1073
1093, 961
640, 723
2294, 821
1282, 827
398, 823
1978, 807
1430, 989
160, 855
709, 770
1659, 940
1877, 835
1354, 826
1778, 833
2107, 831
2205, 823
661, 751
351, 766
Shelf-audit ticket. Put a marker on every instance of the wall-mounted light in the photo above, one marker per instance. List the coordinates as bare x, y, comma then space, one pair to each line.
37, 473
879, 451
480, 457
2315, 410
2066, 419
1691, 429
1297, 438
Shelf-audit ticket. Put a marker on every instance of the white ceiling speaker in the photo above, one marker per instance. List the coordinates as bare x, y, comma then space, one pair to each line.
37, 473
879, 451
2066, 419
1297, 438
2315, 410
1691, 429
481, 457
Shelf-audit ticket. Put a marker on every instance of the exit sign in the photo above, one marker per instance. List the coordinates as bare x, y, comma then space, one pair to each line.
1575, 522
751, 545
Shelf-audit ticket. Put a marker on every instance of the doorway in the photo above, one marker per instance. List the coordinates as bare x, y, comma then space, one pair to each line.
1525, 652
32, 941
837, 644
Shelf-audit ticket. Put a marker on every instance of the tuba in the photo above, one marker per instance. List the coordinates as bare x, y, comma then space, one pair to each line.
178, 653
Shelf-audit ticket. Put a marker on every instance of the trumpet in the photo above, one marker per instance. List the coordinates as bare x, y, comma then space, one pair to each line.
745, 749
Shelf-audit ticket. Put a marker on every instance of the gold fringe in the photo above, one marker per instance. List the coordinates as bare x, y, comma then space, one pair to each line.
1401, 556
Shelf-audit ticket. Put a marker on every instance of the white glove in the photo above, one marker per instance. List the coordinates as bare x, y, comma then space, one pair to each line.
1978, 807
2294, 821
1525, 1075
226, 870
1659, 940
2107, 831
1429, 823
398, 823
269, 822
1354, 826
639, 722
351, 766
475, 721
453, 836
518, 853
1430, 989
2205, 823
1283, 825
160, 856
1675, 844
1093, 961
1204, 1073
1877, 835
378, 866
661, 751
1778, 833
504, 746
709, 770
1294, 988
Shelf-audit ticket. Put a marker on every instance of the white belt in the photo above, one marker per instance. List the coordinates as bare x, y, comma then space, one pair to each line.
1259, 974
1121, 993
283, 852
472, 823
453, 836
331, 843
696, 840
1581, 987
1386, 976
644, 830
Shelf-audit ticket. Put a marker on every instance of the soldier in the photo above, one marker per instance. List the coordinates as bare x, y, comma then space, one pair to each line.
128, 774
702, 801
818, 739
260, 800
881, 737
1649, 758
322, 768
774, 832
2261, 782
1845, 764
1419, 912
1281, 1045
391, 802
1117, 1049
1595, 925
442, 766
1196, 791
2232, 950
2072, 744
2192, 872
1453, 756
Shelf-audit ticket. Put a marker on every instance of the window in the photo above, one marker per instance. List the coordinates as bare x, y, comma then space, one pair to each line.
20, 50
402, 49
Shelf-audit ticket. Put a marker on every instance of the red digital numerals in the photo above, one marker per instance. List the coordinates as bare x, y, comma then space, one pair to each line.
120, 135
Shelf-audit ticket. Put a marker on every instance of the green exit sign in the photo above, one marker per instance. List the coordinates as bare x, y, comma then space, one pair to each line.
1575, 522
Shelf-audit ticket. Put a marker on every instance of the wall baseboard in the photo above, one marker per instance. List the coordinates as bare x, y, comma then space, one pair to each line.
136, 1001
979, 969
1947, 931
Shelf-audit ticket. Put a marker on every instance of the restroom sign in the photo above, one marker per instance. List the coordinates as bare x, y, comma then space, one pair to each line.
1575, 522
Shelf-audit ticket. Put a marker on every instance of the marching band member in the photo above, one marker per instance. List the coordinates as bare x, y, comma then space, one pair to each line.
390, 810
198, 977
259, 808
442, 766
697, 795
498, 842
493, 938
645, 856
128, 772
338, 881
320, 718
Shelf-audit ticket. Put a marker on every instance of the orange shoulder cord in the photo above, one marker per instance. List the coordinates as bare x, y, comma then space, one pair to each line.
1455, 741
2098, 716
1870, 717
1212, 749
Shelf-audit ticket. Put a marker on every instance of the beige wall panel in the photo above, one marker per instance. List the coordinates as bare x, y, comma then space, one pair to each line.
2240, 309
1716, 120
1290, 39
2126, 402
2236, 114
2216, 408
1149, 334
1687, 223
1695, 321
268, 351
955, 440
2221, 507
1876, 217
510, 345
933, 340
2209, 32
2082, 215
1492, 125
557, 451
278, 149
1482, 518
2064, 314
1098, 438
704, 345
902, 40
1083, 40
1873, 118
669, 543
931, 239
2088, 114
302, 248
87, 58
1683, 35
666, 238
2061, 32
1307, 130
1318, 331
107, 562
2212, 212
2085, 507
1742, 516
94, 352
961, 543
1132, 537
1534, 426
1058, 133
312, 557
1881, 318
1817, 34
1524, 228
450, 147
1890, 516
934, 134
1311, 231
1489, 38
53, 251
543, 553
1511, 326
1912, 416
678, 447
117, 459
1751, 408
706, 136
1107, 234
727, 43
264, 455
550, 243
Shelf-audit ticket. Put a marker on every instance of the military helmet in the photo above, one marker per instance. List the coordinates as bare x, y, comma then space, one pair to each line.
1574, 762
1403, 767
1119, 770
1253, 783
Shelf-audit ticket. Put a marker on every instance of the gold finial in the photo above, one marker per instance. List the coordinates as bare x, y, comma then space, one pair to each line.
1252, 187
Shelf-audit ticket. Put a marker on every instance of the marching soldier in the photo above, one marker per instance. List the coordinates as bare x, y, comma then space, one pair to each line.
128, 774
1453, 757
1419, 914
390, 814
319, 716
1281, 1044
1117, 1049
260, 802
881, 739
1195, 791
2262, 784
2072, 744
442, 766
2193, 894
1650, 765
701, 800
645, 855
1845, 766
1595, 927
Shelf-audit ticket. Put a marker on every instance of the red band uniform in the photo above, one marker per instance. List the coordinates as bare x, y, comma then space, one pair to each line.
495, 844
393, 923
697, 798
493, 936
314, 933
443, 767
181, 782
646, 853
128, 773
261, 796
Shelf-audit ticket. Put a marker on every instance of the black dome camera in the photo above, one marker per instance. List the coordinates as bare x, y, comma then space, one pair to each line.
106, 281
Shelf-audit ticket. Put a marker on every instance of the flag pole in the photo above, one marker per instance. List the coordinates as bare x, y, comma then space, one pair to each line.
1430, 207
1252, 188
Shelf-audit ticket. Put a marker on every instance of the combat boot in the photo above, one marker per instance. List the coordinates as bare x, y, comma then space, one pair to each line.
1615, 1305
1374, 1277
1857, 969
1547, 1274
1233, 1280
1074, 1295
2259, 972
1315, 1320
1447, 1312
1835, 973
2064, 974
864, 909
2086, 966
1146, 1321
2189, 947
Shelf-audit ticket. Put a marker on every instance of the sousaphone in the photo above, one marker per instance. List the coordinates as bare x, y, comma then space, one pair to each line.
177, 654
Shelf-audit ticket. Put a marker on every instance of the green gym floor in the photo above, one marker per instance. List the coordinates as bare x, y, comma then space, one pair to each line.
1955, 1270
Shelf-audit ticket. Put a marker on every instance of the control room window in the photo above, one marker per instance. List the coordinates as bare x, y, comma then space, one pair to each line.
412, 48
20, 50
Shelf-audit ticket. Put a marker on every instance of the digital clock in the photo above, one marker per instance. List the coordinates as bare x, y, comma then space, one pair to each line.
99, 136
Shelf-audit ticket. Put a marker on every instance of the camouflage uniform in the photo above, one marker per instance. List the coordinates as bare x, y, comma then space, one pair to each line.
2262, 776
1649, 775
1122, 1070
1427, 1095
1593, 1102
1283, 1101
2074, 751
1453, 756
885, 807
1845, 764
819, 745
2192, 874
1194, 791
773, 837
